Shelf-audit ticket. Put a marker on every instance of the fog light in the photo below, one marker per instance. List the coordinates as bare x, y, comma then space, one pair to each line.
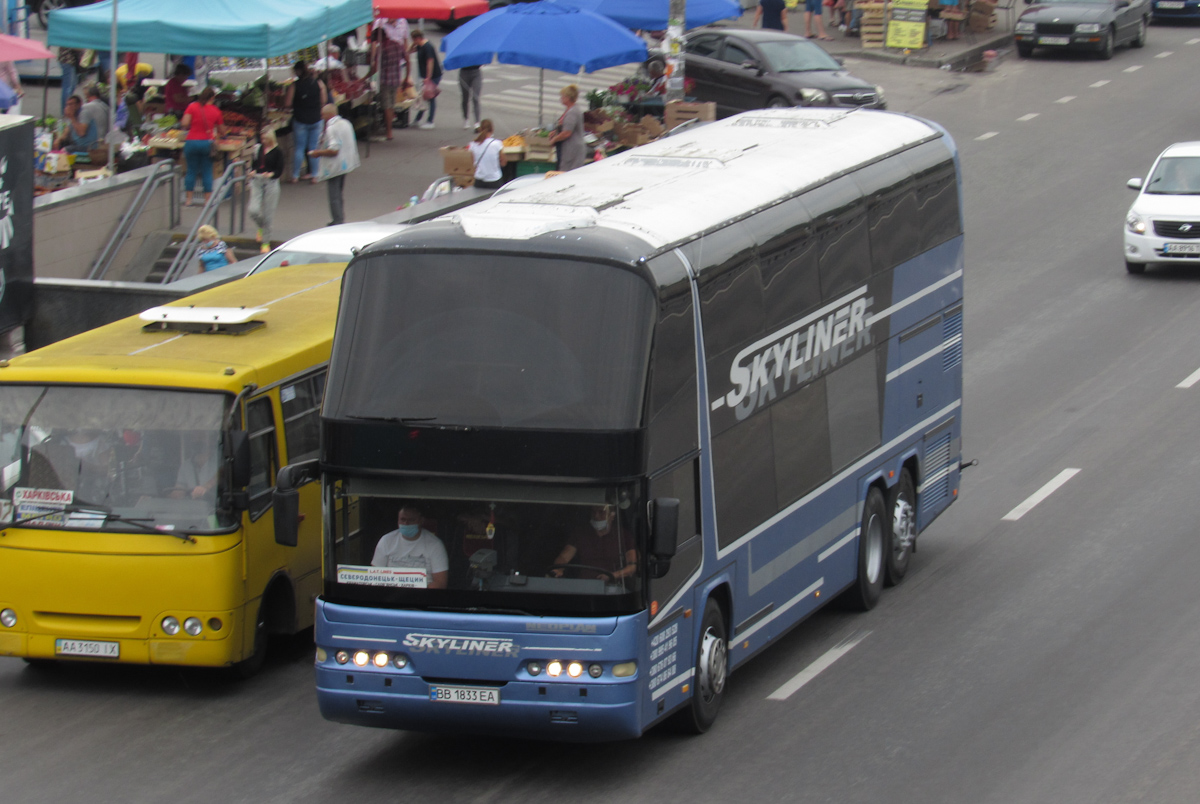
381, 659
534, 668
361, 657
400, 660
8, 618
341, 657
625, 669
575, 669
322, 654
170, 626
554, 669
192, 626
595, 670
215, 624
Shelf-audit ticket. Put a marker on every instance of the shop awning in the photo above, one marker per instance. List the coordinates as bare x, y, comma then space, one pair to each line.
237, 28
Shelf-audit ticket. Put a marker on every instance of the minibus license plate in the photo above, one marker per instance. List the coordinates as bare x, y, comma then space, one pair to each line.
467, 695
1170, 4
1054, 40
83, 647
1183, 248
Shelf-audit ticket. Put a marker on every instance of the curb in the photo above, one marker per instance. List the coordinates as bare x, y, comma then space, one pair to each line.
959, 60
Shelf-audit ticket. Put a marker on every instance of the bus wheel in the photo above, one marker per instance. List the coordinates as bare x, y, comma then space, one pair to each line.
712, 670
249, 667
902, 504
864, 593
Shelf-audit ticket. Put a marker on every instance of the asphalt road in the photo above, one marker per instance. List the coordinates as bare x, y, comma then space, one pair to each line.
1035, 654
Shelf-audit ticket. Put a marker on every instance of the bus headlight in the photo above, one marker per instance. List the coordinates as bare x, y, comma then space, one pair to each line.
554, 669
625, 669
192, 626
534, 668
380, 659
575, 669
400, 661
361, 657
341, 657
322, 654
170, 626
595, 670
8, 618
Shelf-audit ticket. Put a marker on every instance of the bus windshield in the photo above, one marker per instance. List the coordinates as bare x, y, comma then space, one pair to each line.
495, 341
543, 550
104, 458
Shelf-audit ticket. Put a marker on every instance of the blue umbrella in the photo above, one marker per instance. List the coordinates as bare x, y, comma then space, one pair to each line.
651, 15
546, 34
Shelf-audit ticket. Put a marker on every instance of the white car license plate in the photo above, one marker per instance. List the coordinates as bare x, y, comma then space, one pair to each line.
1169, 4
1054, 40
1182, 248
466, 695
83, 647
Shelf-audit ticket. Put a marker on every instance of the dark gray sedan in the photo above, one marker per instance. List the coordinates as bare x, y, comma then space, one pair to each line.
741, 70
1095, 25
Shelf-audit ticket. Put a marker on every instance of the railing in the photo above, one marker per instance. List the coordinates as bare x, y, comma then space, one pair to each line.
163, 171
230, 181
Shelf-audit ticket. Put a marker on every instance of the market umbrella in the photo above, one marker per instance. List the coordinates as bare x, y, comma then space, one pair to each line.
429, 9
651, 15
547, 34
14, 48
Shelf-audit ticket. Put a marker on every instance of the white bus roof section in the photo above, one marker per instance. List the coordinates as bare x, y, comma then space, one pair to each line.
671, 189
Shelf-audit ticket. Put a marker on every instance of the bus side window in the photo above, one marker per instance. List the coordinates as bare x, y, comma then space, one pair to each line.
263, 460
301, 403
680, 483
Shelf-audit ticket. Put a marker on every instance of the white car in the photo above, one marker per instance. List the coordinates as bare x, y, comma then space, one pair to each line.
1163, 225
330, 244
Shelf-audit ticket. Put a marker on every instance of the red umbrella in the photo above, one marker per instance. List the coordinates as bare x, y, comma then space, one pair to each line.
430, 9
14, 48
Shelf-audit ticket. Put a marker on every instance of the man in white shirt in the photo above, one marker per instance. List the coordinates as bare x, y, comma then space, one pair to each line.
338, 150
411, 546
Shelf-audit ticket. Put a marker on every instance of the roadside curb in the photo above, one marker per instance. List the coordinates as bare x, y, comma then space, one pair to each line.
958, 61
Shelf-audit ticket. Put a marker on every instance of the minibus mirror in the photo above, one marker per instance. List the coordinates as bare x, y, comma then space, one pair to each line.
239, 448
286, 503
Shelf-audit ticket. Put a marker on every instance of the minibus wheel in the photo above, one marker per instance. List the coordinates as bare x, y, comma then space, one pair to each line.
712, 672
864, 593
902, 505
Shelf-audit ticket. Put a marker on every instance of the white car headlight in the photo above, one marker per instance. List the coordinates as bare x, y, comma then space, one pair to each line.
814, 97
1025, 27
1135, 224
1088, 27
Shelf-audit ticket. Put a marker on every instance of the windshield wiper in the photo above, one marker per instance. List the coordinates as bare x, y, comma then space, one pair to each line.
106, 517
396, 419
481, 610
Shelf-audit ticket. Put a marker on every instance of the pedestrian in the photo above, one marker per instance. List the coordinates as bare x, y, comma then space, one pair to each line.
470, 85
68, 64
175, 93
205, 124
213, 253
390, 57
488, 153
305, 97
430, 71
338, 151
814, 14
569, 132
772, 14
264, 188
12, 80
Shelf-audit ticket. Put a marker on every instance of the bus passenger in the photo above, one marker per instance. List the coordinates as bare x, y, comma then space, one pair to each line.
412, 546
595, 549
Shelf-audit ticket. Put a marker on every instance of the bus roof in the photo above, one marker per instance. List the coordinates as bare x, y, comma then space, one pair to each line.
672, 189
300, 309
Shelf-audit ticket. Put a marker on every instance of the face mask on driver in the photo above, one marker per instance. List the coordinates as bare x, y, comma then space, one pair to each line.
410, 531
600, 524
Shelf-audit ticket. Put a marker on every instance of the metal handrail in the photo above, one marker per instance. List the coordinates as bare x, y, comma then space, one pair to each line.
134, 211
190, 245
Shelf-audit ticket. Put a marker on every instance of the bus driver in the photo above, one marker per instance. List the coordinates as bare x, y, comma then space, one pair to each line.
411, 546
595, 550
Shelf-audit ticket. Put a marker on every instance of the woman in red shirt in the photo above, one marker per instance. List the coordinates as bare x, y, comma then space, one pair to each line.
204, 123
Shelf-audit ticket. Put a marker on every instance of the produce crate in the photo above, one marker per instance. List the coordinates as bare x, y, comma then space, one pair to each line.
678, 112
872, 24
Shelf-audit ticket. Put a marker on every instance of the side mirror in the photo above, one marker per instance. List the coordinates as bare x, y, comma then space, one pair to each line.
239, 450
749, 64
1134, 184
286, 500
664, 534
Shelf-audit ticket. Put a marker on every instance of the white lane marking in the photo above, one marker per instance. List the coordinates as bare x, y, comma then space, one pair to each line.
1039, 495
1191, 380
813, 670
1099, 84
1132, 69
1164, 54
1026, 117
1065, 99
987, 136
1192, 42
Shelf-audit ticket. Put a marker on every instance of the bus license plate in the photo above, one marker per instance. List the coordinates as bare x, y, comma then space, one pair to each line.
1183, 248
465, 695
83, 647
1054, 40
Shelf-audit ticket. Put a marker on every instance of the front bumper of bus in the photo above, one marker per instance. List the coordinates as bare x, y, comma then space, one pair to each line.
377, 693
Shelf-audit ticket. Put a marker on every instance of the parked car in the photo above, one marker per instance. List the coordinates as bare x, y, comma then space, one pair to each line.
742, 69
1096, 25
1163, 225
1176, 10
330, 244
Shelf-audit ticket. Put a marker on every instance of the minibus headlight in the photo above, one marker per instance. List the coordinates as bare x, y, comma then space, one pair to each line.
341, 657
625, 669
8, 618
215, 624
192, 626
575, 669
1135, 223
554, 669
361, 657
170, 626
381, 659
400, 660
595, 670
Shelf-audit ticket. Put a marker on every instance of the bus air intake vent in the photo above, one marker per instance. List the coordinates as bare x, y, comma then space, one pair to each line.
203, 320
937, 463
952, 341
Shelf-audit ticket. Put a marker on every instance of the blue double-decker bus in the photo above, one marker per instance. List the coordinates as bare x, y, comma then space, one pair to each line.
590, 445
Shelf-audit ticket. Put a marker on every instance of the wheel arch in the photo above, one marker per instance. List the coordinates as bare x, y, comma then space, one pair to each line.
279, 604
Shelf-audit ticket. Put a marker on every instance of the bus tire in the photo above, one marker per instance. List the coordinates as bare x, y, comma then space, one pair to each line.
249, 667
864, 593
902, 506
712, 672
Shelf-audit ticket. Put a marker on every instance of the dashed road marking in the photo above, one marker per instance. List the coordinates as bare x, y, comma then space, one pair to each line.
1039, 495
1192, 42
1164, 54
1027, 117
1132, 69
1191, 380
813, 670
1099, 84
1065, 99
987, 136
